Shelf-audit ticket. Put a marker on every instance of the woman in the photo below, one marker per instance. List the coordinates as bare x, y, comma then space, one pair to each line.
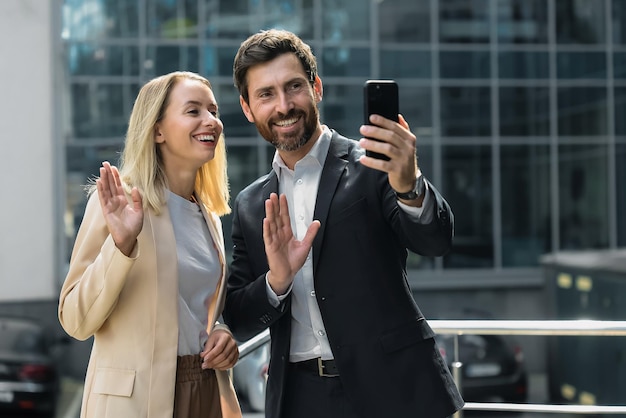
147, 272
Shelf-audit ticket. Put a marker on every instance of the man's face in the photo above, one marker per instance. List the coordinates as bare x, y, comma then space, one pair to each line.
283, 104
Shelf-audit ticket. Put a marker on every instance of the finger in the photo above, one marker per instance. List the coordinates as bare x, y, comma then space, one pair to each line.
112, 188
274, 199
101, 191
403, 122
269, 224
284, 211
137, 200
311, 232
117, 180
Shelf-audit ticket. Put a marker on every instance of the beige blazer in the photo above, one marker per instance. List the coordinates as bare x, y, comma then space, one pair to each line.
129, 305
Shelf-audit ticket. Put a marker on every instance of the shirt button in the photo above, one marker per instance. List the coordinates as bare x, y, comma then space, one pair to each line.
301, 217
313, 293
299, 181
321, 333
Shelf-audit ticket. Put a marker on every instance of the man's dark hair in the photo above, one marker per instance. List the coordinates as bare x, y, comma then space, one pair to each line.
266, 45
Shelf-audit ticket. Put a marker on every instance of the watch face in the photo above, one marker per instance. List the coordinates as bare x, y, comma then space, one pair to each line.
417, 191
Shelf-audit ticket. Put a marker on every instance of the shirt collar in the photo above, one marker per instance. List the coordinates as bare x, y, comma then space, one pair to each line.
317, 154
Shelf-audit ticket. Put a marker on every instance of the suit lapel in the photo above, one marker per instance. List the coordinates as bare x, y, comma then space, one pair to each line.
334, 167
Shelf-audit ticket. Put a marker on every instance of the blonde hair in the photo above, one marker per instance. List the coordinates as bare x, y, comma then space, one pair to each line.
141, 164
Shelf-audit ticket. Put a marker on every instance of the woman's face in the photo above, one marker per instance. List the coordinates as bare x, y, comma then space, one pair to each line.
190, 128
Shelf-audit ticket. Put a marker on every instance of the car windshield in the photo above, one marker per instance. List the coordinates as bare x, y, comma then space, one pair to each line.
21, 338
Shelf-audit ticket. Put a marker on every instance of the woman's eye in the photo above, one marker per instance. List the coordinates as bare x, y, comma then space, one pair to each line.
193, 111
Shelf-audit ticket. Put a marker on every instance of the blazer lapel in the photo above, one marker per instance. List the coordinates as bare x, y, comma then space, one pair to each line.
269, 186
334, 167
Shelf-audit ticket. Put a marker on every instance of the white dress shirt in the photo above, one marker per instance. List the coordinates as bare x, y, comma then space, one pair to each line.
300, 186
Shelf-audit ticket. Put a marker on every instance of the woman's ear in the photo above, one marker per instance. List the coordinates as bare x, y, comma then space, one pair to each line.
158, 135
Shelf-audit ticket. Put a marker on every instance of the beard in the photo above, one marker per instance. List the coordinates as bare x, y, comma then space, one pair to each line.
296, 140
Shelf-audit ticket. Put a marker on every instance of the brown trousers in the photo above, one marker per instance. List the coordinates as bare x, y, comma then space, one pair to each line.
197, 394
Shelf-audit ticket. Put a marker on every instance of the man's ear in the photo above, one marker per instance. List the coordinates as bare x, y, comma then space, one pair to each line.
246, 109
318, 88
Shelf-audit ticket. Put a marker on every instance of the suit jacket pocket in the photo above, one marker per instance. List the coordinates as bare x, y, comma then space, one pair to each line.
118, 382
406, 335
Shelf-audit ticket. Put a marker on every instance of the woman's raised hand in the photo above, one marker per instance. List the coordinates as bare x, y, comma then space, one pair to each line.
124, 219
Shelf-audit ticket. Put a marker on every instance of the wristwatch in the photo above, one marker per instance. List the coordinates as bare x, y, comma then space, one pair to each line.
417, 191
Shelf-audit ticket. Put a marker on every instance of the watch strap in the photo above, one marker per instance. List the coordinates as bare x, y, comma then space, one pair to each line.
416, 192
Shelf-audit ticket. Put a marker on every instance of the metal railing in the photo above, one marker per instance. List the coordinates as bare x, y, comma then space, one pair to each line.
507, 327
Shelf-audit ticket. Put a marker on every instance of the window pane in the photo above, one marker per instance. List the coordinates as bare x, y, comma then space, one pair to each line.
122, 18
82, 164
465, 64
100, 20
463, 21
416, 107
405, 64
522, 21
525, 190
580, 21
620, 109
233, 19
581, 65
245, 164
582, 111
165, 59
618, 13
219, 61
620, 186
465, 111
404, 21
342, 109
345, 20
91, 59
524, 111
344, 61
237, 19
101, 110
168, 19
583, 197
467, 187
523, 65
619, 65
235, 123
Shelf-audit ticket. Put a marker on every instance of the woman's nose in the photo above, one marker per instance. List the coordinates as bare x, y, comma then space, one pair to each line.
210, 119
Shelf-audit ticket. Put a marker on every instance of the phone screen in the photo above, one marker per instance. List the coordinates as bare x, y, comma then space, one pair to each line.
381, 98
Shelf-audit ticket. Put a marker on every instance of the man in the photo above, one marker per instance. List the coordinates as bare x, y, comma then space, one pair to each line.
324, 264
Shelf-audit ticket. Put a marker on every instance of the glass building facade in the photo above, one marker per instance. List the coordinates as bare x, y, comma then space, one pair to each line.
519, 105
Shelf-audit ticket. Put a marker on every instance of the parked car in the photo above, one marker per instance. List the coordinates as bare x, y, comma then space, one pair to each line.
250, 377
29, 380
492, 366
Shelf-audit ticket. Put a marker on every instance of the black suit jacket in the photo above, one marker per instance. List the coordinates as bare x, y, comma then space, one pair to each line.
384, 348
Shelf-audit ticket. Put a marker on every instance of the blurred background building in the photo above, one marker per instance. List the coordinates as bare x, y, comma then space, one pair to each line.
518, 106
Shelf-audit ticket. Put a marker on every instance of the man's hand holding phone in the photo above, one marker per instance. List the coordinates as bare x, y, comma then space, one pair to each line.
383, 136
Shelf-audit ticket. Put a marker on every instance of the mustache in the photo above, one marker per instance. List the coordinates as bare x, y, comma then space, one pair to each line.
293, 113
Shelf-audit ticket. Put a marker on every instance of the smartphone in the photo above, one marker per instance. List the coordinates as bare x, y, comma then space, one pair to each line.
381, 98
